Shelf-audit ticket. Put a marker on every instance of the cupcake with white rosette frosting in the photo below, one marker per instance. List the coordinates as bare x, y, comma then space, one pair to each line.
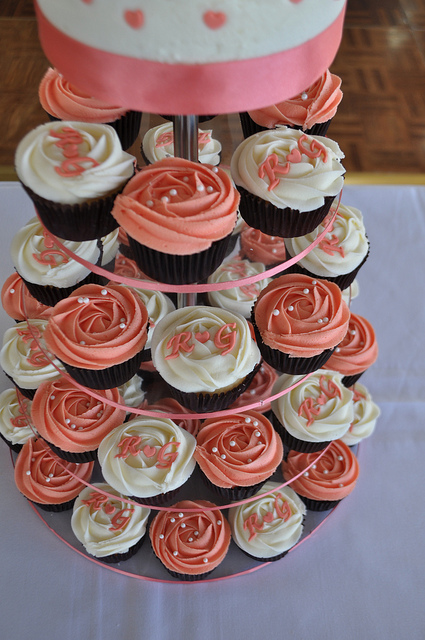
147, 458
366, 413
73, 171
316, 411
266, 528
206, 355
15, 422
241, 298
287, 180
158, 143
25, 359
47, 271
340, 254
108, 526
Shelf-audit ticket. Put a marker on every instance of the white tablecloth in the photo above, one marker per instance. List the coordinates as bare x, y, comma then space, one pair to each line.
361, 576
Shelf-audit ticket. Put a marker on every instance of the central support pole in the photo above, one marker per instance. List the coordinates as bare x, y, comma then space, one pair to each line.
185, 130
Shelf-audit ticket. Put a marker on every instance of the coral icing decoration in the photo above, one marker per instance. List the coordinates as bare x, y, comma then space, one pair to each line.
134, 19
214, 19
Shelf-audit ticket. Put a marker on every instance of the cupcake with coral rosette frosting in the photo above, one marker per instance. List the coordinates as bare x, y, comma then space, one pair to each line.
260, 247
339, 256
73, 422
171, 406
259, 391
25, 359
266, 528
98, 333
237, 453
366, 413
179, 217
108, 526
327, 480
64, 101
15, 419
298, 322
287, 179
311, 110
51, 483
206, 355
312, 411
19, 304
147, 458
190, 543
357, 352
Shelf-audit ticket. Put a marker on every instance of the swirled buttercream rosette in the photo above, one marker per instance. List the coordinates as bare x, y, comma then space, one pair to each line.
45, 479
287, 180
238, 453
19, 304
108, 526
357, 351
298, 321
147, 458
190, 544
265, 529
317, 410
340, 255
260, 247
64, 101
327, 481
72, 421
15, 427
99, 333
25, 359
366, 413
47, 271
158, 143
260, 389
72, 171
179, 217
206, 355
311, 110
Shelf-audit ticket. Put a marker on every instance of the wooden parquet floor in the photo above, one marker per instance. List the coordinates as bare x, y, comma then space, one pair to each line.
380, 124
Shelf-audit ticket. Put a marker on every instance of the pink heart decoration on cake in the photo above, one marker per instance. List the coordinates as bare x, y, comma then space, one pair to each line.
202, 337
214, 19
135, 19
294, 156
149, 451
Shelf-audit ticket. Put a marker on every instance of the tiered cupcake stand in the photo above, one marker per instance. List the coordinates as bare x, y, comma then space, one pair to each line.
144, 565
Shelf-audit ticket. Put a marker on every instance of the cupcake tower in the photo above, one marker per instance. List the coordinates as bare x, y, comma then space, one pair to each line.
222, 356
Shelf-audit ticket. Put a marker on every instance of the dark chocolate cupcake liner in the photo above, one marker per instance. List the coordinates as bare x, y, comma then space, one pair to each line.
179, 269
285, 363
88, 220
127, 128
343, 281
27, 393
348, 381
14, 447
279, 556
319, 505
207, 402
290, 442
113, 376
285, 223
233, 493
54, 508
70, 456
51, 295
121, 557
249, 127
159, 500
